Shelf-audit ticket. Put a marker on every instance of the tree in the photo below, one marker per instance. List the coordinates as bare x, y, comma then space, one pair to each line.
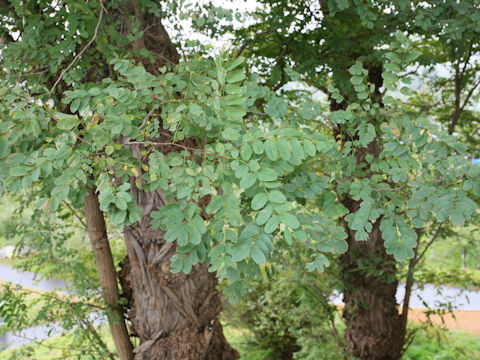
345, 50
101, 108
207, 170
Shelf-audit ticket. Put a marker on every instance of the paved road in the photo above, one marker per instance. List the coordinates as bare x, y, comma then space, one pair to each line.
434, 297
25, 278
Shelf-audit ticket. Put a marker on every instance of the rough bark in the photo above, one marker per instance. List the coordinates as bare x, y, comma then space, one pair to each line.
106, 273
374, 328
176, 316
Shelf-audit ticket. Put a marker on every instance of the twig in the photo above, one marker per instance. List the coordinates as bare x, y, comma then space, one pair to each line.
81, 51
390, 189
50, 346
146, 118
434, 237
75, 213
29, 74
257, 113
85, 141
48, 295
337, 338
175, 144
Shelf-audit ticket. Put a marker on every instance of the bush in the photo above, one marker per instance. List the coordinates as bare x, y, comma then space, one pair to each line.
288, 315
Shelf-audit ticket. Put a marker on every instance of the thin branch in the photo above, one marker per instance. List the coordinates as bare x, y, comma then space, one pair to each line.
101, 344
257, 113
144, 122
434, 237
29, 74
41, 343
240, 50
467, 59
48, 295
102, 9
175, 144
75, 213
409, 281
469, 95
337, 338
85, 141
390, 189
408, 341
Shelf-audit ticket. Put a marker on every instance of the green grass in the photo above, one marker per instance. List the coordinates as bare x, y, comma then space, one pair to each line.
438, 344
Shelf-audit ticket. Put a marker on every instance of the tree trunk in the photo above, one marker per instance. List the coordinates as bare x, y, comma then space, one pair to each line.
176, 316
374, 329
97, 233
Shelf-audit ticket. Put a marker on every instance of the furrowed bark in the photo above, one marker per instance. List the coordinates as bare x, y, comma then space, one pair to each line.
106, 273
176, 316
374, 328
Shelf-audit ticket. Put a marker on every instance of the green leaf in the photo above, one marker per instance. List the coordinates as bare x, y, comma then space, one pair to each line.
231, 134
118, 217
288, 236
277, 197
5, 148
300, 234
259, 201
234, 63
297, 149
246, 151
66, 121
258, 147
272, 224
248, 180
309, 148
284, 149
267, 174
199, 224
232, 274
264, 215
289, 220
258, 256
271, 150
240, 252
235, 76
215, 204
235, 113
233, 89
19, 170
194, 236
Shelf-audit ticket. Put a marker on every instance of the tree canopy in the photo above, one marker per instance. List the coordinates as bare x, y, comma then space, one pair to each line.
242, 162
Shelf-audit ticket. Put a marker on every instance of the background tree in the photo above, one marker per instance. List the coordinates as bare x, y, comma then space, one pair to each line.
323, 41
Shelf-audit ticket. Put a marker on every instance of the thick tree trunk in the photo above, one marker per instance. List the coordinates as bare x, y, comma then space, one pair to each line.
97, 233
176, 316
374, 328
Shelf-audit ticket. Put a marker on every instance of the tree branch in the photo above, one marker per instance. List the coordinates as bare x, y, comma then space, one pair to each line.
75, 213
95, 33
175, 144
434, 237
